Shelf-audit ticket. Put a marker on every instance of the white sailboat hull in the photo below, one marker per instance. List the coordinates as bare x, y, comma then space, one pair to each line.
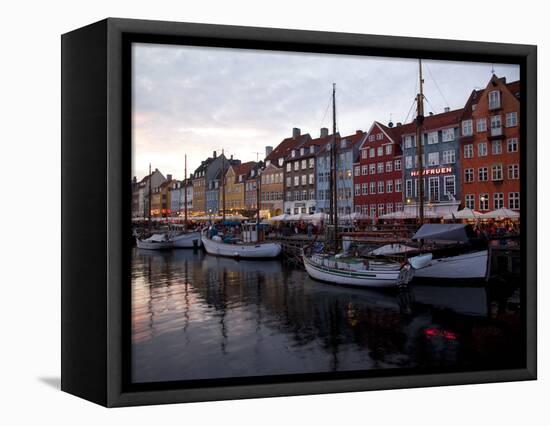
374, 279
471, 265
241, 251
186, 240
148, 244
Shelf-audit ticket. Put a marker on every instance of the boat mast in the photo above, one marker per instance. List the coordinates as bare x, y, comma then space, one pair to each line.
149, 209
334, 193
258, 200
419, 122
223, 187
185, 195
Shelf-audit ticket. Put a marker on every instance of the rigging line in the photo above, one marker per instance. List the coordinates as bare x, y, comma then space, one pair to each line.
437, 85
410, 109
326, 110
431, 106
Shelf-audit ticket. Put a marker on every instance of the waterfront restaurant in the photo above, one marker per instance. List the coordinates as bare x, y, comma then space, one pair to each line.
441, 166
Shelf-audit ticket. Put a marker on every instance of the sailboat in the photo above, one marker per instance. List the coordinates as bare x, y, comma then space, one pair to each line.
344, 268
250, 245
154, 241
186, 239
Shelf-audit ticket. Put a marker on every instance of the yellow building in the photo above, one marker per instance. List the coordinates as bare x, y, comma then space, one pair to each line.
235, 178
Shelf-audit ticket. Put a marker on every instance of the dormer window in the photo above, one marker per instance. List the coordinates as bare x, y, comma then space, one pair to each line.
281, 160
293, 153
311, 149
301, 151
494, 99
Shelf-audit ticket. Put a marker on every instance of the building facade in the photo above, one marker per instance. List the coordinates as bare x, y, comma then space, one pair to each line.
271, 191
441, 163
378, 172
235, 178
490, 147
142, 189
251, 186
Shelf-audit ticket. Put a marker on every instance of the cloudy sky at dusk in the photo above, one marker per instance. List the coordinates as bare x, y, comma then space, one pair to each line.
194, 100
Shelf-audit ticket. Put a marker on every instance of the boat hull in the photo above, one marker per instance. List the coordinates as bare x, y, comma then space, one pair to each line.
241, 251
153, 245
372, 279
471, 265
187, 240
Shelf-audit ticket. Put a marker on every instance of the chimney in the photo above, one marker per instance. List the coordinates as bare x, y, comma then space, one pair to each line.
168, 176
399, 124
324, 132
295, 132
231, 157
447, 109
134, 179
268, 150
358, 132
431, 113
214, 154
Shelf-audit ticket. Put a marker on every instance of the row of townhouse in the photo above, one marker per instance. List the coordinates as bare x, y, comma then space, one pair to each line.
471, 157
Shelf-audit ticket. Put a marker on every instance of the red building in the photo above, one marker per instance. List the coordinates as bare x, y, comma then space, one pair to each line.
378, 173
490, 141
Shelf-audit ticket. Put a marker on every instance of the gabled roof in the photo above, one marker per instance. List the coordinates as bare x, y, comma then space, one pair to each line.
514, 87
284, 148
242, 169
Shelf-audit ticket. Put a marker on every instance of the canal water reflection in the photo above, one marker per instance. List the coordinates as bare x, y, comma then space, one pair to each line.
195, 316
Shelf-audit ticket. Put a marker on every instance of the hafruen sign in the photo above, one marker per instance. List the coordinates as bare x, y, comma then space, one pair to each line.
433, 171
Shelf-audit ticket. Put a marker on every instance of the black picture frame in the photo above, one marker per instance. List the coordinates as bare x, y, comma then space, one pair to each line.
96, 156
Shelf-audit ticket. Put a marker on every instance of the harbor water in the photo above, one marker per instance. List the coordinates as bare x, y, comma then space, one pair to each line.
196, 316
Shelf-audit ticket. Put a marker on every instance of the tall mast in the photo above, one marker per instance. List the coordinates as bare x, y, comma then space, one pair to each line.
334, 169
258, 194
149, 209
185, 195
419, 122
223, 187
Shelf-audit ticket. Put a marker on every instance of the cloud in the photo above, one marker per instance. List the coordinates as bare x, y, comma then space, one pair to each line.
194, 100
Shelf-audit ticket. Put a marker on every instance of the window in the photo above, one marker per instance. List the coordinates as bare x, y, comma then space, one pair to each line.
433, 138
433, 187
408, 188
408, 141
496, 172
380, 151
481, 125
288, 167
293, 153
389, 186
397, 165
498, 200
494, 99
356, 170
388, 149
364, 153
408, 162
289, 181
468, 151
389, 166
304, 179
470, 201
304, 164
482, 149
380, 186
398, 185
289, 195
365, 209
311, 179
433, 159
398, 207
483, 202
296, 165
450, 185
467, 128
364, 189
483, 174
373, 210
513, 200
371, 152
380, 167
449, 157
468, 175
448, 135
513, 171
372, 168
311, 162
301, 151
379, 136
389, 207
364, 170
496, 125
372, 187
296, 180
380, 209
513, 145
496, 147
511, 119
357, 209
371, 138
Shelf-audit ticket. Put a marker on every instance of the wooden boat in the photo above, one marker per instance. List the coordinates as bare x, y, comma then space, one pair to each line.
186, 240
239, 250
154, 242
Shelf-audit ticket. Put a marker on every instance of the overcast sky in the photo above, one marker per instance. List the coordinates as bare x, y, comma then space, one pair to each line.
194, 100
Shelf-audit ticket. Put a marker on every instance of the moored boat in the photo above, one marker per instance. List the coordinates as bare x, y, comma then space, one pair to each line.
154, 242
238, 249
186, 240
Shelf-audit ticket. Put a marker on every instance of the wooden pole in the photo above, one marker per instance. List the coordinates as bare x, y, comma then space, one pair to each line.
419, 122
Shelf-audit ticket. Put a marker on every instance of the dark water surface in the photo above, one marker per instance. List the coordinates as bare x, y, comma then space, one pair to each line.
196, 316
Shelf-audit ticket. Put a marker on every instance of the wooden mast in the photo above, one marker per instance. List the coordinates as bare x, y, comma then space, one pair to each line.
149, 204
223, 186
258, 201
334, 167
185, 195
419, 122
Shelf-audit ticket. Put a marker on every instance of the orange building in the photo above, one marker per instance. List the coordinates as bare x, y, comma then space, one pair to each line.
490, 147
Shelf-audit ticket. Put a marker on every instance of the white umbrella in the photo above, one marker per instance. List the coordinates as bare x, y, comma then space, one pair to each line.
296, 217
502, 213
465, 213
317, 217
279, 218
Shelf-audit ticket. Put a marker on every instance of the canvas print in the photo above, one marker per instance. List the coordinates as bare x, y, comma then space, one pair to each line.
301, 213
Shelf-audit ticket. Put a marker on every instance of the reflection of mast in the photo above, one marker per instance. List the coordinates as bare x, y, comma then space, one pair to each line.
224, 309
419, 121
